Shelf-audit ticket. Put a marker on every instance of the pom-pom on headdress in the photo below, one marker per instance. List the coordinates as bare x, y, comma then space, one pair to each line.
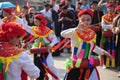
84, 11
8, 10
10, 30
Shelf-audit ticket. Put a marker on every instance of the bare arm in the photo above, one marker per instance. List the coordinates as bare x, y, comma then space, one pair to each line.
100, 2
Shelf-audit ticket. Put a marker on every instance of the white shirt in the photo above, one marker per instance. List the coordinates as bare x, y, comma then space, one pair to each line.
23, 63
56, 7
47, 14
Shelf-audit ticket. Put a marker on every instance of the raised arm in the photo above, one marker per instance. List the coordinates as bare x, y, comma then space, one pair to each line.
68, 33
25, 25
100, 2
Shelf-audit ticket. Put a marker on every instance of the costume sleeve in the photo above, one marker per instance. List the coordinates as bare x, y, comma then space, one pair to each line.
53, 37
106, 26
98, 50
67, 33
25, 25
28, 66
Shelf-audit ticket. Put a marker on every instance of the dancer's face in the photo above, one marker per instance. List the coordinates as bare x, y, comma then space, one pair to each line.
37, 22
86, 20
15, 41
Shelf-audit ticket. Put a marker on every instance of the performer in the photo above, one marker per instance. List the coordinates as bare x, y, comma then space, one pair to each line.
45, 39
13, 59
9, 17
106, 42
116, 31
83, 63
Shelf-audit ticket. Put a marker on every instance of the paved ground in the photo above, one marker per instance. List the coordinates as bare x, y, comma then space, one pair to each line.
105, 74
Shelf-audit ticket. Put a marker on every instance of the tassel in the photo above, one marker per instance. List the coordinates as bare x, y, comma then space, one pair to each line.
87, 74
77, 65
81, 54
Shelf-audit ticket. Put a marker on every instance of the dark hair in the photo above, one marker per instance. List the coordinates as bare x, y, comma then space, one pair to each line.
60, 5
25, 7
79, 3
47, 5
94, 2
69, 0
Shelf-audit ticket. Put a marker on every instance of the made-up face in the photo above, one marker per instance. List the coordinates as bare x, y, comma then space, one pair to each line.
15, 41
110, 10
86, 20
4, 13
37, 22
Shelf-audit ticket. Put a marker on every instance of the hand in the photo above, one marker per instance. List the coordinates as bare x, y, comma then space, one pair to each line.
23, 14
49, 49
108, 55
117, 30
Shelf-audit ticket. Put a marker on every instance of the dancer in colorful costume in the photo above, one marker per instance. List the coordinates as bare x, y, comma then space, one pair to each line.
42, 47
83, 63
107, 42
9, 17
12, 58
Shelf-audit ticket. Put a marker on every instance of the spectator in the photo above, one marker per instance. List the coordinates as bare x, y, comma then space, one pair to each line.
116, 31
69, 5
78, 6
84, 4
48, 14
24, 10
55, 6
67, 18
96, 21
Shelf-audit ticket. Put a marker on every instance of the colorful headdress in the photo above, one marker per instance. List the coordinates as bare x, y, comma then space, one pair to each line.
8, 10
9, 52
84, 11
42, 20
10, 30
117, 8
110, 5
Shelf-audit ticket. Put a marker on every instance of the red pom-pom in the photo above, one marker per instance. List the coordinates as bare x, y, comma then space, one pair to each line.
11, 30
81, 12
